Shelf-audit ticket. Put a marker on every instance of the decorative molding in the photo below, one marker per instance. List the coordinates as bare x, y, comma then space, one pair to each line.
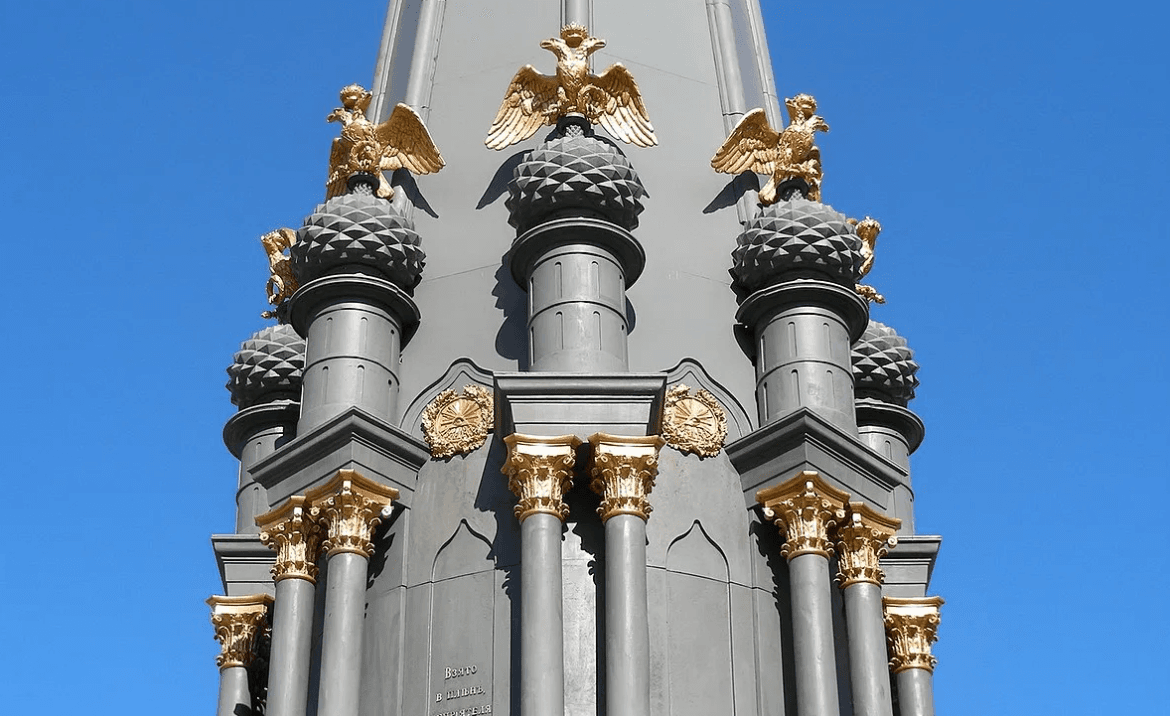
540, 472
693, 423
293, 531
623, 473
863, 539
240, 623
805, 508
458, 422
350, 507
462, 371
911, 627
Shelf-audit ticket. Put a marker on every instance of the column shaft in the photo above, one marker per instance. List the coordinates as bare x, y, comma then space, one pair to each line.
341, 638
576, 11
251, 497
915, 692
869, 670
804, 361
351, 360
577, 311
292, 634
234, 692
542, 650
627, 635
812, 636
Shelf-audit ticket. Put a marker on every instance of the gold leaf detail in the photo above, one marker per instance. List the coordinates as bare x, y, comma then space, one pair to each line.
693, 423
458, 422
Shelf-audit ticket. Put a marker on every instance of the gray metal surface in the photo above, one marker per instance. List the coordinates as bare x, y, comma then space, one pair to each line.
292, 634
341, 635
542, 652
627, 637
869, 671
812, 636
915, 692
234, 697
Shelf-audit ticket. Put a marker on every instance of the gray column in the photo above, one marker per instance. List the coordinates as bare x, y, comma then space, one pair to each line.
623, 473
251, 434
233, 691
803, 331
812, 636
292, 641
352, 360
869, 671
341, 635
576, 11
915, 692
542, 649
894, 432
806, 508
540, 472
577, 311
627, 636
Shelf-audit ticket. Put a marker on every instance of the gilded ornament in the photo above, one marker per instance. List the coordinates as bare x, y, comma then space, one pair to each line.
693, 423
789, 154
540, 472
240, 624
610, 99
293, 531
862, 539
351, 506
911, 627
623, 473
867, 230
458, 422
805, 508
281, 283
401, 142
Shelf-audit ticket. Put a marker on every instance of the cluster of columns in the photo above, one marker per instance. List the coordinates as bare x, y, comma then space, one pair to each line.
818, 520
337, 518
540, 472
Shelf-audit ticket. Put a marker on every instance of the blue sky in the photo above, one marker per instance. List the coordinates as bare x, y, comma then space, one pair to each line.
1015, 152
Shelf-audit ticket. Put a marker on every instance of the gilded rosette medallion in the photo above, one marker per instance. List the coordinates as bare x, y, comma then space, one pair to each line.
693, 423
458, 422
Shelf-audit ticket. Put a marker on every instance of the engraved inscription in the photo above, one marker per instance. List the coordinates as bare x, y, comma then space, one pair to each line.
462, 692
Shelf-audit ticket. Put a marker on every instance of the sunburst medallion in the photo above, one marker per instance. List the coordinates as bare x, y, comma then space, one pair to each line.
693, 423
458, 422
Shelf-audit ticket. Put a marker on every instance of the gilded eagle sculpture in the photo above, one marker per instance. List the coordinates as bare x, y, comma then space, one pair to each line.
868, 230
401, 142
610, 99
281, 283
788, 154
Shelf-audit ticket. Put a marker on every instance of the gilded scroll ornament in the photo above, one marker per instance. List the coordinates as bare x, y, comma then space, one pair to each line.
868, 230
401, 142
805, 508
623, 473
862, 540
293, 531
351, 506
240, 623
610, 99
911, 627
693, 423
281, 283
458, 422
540, 472
789, 154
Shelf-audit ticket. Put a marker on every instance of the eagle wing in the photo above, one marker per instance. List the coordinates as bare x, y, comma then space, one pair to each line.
623, 113
752, 146
525, 108
406, 143
338, 157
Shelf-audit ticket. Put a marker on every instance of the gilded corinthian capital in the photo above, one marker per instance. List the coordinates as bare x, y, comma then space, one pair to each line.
540, 472
350, 506
911, 627
862, 539
623, 473
805, 508
292, 531
239, 623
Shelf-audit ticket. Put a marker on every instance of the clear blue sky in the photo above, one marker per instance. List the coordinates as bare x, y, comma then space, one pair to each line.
1015, 152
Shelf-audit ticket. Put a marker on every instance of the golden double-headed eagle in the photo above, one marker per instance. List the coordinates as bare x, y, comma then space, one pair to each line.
401, 142
610, 99
788, 154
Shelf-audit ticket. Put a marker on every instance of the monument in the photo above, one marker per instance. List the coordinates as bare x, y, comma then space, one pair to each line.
573, 403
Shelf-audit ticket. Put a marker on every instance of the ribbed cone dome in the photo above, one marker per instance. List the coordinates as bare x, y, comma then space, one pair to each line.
884, 366
268, 367
358, 233
574, 174
797, 238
